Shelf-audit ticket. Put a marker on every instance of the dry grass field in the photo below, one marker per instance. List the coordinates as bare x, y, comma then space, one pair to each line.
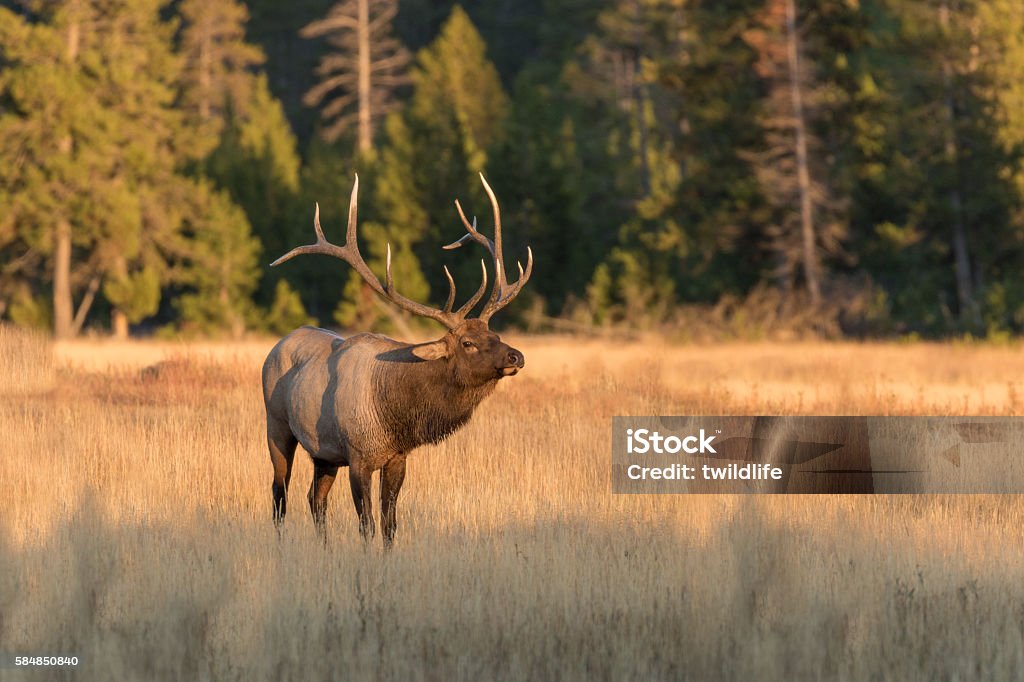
136, 528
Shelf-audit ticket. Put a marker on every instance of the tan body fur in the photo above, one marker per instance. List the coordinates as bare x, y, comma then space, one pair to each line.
326, 398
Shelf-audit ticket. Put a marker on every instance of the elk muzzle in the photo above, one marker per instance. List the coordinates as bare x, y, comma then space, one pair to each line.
514, 361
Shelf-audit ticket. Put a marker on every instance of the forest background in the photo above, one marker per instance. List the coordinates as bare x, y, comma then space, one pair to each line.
727, 168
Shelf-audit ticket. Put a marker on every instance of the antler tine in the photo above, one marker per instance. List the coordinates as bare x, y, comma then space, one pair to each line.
499, 274
353, 204
468, 305
320, 246
511, 292
501, 294
445, 317
451, 291
493, 248
316, 223
471, 234
350, 254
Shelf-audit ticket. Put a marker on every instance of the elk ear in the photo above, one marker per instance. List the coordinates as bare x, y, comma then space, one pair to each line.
431, 351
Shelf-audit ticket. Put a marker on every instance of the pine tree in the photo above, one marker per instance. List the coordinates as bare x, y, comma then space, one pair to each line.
88, 91
286, 313
325, 179
42, 69
548, 190
791, 168
962, 264
626, 75
221, 271
397, 219
101, 195
435, 147
217, 78
257, 164
1002, 24
291, 61
253, 156
997, 52
941, 200
365, 66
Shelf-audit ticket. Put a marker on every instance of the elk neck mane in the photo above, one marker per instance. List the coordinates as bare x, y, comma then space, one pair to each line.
421, 401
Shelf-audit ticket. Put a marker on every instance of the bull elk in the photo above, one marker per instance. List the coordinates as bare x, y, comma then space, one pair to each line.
367, 401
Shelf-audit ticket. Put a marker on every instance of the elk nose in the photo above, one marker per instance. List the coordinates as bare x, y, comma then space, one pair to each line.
515, 359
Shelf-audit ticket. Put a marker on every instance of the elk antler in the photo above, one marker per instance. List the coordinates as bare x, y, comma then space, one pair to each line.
502, 294
350, 254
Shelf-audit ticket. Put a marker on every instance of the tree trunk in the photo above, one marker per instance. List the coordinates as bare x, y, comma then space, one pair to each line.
63, 322
205, 76
118, 320
74, 38
961, 254
119, 324
810, 253
62, 307
365, 125
640, 103
639, 92
84, 305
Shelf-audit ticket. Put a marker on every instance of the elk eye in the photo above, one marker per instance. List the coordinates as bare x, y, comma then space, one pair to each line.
467, 344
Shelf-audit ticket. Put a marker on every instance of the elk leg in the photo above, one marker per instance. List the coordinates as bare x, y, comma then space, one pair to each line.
359, 478
282, 444
391, 479
323, 479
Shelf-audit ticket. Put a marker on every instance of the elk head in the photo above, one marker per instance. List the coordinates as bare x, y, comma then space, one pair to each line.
477, 355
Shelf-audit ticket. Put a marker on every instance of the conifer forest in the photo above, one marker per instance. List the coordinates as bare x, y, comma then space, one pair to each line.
736, 167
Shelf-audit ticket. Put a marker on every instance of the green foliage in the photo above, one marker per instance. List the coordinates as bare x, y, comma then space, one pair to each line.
434, 148
28, 310
147, 159
548, 180
325, 180
217, 59
253, 164
286, 312
136, 294
221, 271
458, 94
257, 154
88, 95
672, 201
257, 164
626, 288
357, 308
599, 293
291, 60
931, 157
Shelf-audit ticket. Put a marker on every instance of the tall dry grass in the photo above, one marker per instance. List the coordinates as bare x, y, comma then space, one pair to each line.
26, 361
136, 529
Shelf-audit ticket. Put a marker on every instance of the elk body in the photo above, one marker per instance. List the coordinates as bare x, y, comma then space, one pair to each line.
367, 401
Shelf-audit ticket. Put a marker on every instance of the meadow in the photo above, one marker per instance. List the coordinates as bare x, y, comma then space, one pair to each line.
136, 528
